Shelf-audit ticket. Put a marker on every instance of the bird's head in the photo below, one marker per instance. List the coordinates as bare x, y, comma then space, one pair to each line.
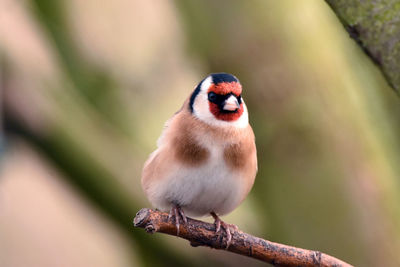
217, 100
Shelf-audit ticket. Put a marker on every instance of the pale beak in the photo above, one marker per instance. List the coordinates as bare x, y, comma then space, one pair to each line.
231, 104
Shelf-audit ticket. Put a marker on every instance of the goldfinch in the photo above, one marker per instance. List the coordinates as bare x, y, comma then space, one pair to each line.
206, 159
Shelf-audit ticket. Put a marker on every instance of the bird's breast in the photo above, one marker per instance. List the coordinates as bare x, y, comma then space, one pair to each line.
207, 174
210, 186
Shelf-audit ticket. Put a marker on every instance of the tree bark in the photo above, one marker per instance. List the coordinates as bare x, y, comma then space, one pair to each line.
203, 234
375, 25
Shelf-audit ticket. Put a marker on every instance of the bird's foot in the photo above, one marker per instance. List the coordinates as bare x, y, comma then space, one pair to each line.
228, 228
177, 212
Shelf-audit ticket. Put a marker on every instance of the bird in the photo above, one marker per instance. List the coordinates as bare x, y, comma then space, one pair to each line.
206, 160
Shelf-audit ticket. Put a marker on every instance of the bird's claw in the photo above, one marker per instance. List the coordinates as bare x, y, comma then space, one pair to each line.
176, 212
180, 211
217, 225
226, 226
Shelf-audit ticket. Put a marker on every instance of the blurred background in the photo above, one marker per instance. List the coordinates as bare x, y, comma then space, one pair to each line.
86, 87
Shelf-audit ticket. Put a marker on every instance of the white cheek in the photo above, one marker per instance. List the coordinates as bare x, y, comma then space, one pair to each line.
243, 121
201, 108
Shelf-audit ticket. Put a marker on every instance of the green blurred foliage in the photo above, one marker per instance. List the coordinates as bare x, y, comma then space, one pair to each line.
326, 123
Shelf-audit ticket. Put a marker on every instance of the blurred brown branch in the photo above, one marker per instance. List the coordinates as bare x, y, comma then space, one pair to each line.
203, 234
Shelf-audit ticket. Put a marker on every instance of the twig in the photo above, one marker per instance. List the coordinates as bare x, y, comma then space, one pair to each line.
203, 234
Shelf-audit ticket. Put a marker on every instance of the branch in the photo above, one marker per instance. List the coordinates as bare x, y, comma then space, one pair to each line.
375, 25
203, 234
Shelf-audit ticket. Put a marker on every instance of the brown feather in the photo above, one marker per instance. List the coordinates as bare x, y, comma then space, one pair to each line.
187, 150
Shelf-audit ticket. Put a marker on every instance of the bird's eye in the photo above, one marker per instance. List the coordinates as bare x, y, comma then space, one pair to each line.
212, 97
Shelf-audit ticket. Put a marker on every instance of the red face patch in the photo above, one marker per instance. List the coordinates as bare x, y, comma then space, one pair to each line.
225, 89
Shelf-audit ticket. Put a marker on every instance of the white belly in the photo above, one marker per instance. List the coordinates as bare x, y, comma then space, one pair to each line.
200, 190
